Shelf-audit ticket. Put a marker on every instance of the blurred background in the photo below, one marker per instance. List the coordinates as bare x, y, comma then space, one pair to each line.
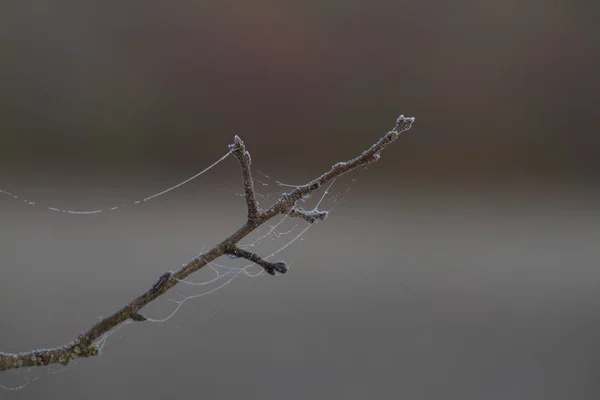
464, 264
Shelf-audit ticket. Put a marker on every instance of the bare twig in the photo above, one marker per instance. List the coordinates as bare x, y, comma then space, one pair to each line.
270, 267
310, 216
239, 151
85, 344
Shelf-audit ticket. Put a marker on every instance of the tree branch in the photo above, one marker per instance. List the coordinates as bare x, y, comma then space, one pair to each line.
84, 345
239, 151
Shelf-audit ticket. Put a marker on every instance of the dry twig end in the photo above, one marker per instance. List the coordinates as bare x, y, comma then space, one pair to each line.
403, 123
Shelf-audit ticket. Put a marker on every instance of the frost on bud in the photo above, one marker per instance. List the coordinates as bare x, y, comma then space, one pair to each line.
403, 123
237, 143
271, 268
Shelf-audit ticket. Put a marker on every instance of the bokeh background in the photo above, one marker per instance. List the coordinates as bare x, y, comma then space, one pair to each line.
464, 264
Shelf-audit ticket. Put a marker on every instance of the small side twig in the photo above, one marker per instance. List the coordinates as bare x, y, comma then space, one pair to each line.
310, 216
270, 267
86, 343
239, 151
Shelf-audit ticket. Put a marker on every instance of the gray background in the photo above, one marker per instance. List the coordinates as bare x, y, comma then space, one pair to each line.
463, 265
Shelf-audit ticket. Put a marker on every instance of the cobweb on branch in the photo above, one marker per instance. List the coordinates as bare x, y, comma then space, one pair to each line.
17, 379
118, 207
276, 239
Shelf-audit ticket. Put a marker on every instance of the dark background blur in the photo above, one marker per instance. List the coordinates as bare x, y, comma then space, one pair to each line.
463, 265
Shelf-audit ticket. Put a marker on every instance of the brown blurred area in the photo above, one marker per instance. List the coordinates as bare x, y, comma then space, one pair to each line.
464, 264
500, 89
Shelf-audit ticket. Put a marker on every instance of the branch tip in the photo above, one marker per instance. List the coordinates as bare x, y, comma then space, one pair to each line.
403, 123
279, 266
237, 141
